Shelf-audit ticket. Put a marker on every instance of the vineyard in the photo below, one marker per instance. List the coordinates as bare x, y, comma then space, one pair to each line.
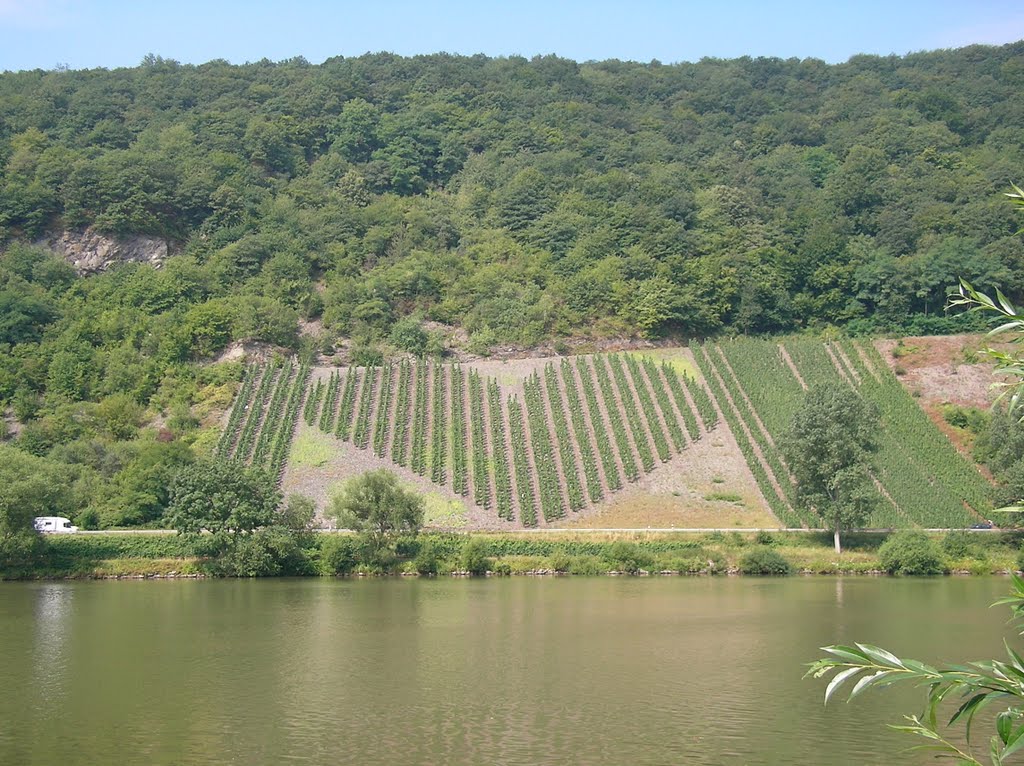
920, 479
532, 452
572, 434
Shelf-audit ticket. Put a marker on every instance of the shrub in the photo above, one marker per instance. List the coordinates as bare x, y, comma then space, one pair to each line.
764, 561
716, 563
501, 568
627, 557
689, 565
267, 552
559, 561
339, 554
724, 497
366, 356
957, 544
766, 538
88, 518
969, 418
911, 552
586, 565
408, 546
249, 558
426, 558
473, 557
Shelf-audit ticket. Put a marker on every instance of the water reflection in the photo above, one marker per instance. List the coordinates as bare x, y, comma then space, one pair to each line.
53, 608
512, 671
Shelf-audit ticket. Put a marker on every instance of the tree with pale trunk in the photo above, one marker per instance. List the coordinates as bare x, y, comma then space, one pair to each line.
829, 450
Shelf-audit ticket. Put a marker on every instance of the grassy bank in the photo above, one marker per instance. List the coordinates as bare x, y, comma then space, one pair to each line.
99, 556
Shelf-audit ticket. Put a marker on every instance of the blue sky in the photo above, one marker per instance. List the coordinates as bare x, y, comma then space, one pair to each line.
108, 33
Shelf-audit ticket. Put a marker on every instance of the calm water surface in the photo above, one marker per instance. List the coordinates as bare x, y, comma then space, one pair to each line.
505, 671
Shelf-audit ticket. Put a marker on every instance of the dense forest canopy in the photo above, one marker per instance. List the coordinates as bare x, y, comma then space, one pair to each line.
523, 200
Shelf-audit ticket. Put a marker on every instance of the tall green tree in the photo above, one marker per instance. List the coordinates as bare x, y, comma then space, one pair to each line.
377, 506
29, 486
829, 449
222, 498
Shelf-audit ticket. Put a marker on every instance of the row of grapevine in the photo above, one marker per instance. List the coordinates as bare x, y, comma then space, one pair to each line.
604, 445
272, 411
361, 431
549, 453
682, 402
615, 418
897, 501
399, 443
919, 498
543, 453
286, 428
256, 410
665, 403
944, 469
330, 408
524, 478
701, 399
565, 451
346, 409
418, 458
438, 431
243, 401
312, 409
931, 448
650, 411
767, 381
579, 427
275, 410
502, 478
481, 478
633, 420
460, 479
382, 422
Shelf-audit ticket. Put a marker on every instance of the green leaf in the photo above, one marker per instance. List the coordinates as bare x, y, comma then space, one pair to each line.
1015, 744
1007, 306
881, 656
1004, 725
869, 681
848, 653
836, 682
967, 709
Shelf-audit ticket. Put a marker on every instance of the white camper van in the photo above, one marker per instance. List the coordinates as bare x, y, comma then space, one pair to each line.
54, 524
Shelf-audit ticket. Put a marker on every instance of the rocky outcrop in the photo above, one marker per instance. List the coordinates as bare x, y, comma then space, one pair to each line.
90, 252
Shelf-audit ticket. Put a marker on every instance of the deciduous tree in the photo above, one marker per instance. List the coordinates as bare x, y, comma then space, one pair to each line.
828, 450
377, 506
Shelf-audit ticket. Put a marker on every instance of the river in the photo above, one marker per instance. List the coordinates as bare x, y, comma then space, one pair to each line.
501, 671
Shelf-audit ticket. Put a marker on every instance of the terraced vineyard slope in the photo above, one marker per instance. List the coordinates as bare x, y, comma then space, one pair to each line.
528, 452
920, 478
556, 442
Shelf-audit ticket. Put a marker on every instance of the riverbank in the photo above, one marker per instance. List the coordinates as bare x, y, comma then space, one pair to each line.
131, 556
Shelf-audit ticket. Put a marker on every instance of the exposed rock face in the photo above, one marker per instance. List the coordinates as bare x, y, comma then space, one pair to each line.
90, 252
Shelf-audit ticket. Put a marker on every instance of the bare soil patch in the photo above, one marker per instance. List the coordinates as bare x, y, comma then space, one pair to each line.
943, 369
675, 495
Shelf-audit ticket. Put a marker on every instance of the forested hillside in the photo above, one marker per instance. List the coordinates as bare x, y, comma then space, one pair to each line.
522, 201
